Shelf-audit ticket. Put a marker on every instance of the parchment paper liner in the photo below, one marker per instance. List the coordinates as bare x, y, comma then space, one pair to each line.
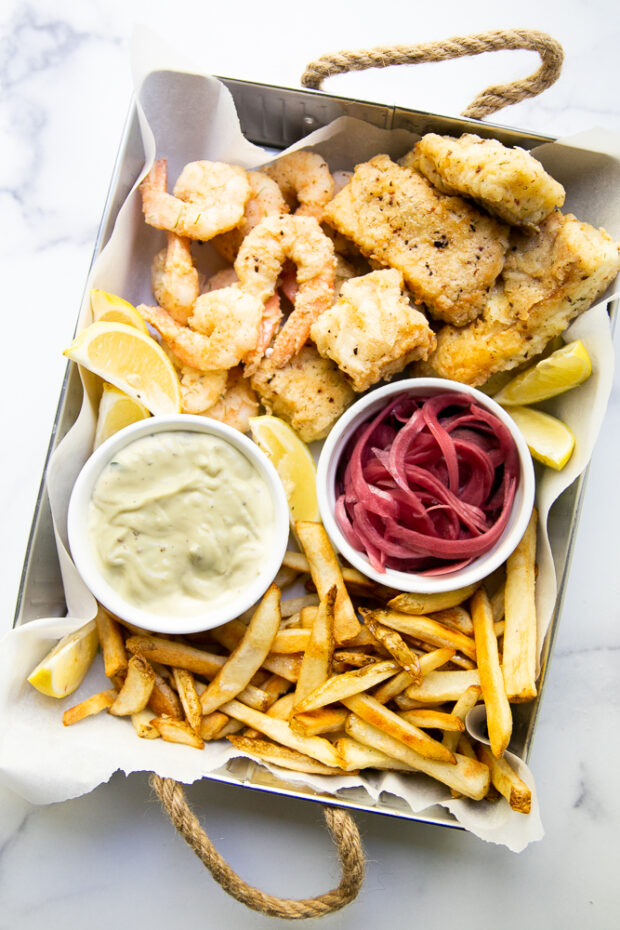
193, 116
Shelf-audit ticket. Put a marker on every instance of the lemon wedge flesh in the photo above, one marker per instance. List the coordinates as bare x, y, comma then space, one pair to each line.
293, 462
131, 361
116, 410
549, 440
562, 370
64, 668
108, 308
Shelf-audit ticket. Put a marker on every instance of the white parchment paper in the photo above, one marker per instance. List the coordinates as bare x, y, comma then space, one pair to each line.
186, 116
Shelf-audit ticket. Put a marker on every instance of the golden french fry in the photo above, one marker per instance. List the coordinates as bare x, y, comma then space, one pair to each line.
395, 645
295, 605
286, 666
283, 707
280, 732
164, 701
455, 617
468, 699
497, 601
112, 643
89, 707
370, 710
173, 730
282, 755
499, 715
355, 755
345, 658
307, 616
426, 629
173, 653
520, 650
441, 686
212, 725
136, 690
188, 696
249, 654
348, 683
315, 722
467, 776
429, 603
428, 663
465, 747
142, 724
275, 686
316, 664
506, 780
288, 641
325, 571
437, 719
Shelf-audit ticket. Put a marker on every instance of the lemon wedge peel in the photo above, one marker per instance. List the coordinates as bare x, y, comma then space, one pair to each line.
549, 440
64, 668
116, 410
108, 308
293, 462
130, 360
561, 371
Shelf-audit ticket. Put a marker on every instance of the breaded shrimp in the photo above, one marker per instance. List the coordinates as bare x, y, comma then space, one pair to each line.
237, 403
222, 278
269, 324
209, 198
174, 279
265, 200
508, 182
305, 181
260, 260
201, 389
222, 329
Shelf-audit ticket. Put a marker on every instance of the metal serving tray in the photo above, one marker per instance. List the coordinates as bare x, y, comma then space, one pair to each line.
276, 117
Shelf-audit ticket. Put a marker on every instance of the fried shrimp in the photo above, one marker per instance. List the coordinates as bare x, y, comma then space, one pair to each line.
237, 403
174, 279
305, 181
265, 200
260, 261
200, 389
222, 329
209, 198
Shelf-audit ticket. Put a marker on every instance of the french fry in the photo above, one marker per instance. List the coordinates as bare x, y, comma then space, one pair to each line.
468, 699
248, 656
278, 730
316, 722
435, 719
325, 570
281, 755
89, 707
355, 755
498, 603
455, 617
164, 701
348, 683
274, 687
395, 645
173, 730
136, 690
467, 776
370, 710
112, 643
296, 604
142, 724
173, 653
428, 663
520, 651
345, 658
499, 715
307, 616
188, 696
286, 666
211, 725
439, 687
288, 641
351, 576
506, 780
427, 630
429, 603
316, 664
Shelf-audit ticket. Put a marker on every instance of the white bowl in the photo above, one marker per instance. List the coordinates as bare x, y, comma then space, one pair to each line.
87, 563
363, 410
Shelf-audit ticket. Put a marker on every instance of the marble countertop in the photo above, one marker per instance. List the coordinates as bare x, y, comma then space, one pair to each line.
111, 855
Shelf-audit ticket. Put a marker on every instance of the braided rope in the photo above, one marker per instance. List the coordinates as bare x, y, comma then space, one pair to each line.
487, 102
341, 826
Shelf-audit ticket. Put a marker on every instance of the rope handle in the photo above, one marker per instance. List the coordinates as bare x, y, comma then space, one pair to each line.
340, 825
490, 100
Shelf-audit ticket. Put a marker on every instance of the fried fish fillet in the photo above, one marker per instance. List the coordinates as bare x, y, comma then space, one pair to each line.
372, 331
309, 392
508, 182
552, 274
449, 252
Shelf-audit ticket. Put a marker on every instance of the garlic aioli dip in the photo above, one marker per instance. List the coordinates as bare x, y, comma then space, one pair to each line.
180, 522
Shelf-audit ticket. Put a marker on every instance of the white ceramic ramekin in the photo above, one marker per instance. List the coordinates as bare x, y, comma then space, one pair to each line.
363, 410
85, 558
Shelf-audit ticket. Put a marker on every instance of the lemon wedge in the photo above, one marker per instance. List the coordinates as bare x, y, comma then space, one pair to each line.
108, 308
131, 361
562, 370
549, 440
64, 668
293, 462
116, 410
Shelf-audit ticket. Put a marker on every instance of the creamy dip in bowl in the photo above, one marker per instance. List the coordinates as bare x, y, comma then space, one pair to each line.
178, 524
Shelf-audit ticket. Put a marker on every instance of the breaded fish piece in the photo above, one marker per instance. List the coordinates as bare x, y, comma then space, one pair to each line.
551, 275
309, 392
449, 252
372, 331
508, 182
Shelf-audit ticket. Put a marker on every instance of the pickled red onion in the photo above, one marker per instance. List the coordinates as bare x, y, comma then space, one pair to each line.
428, 484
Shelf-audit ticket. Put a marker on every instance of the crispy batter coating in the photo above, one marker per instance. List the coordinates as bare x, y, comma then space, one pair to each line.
372, 331
508, 182
309, 392
551, 276
449, 252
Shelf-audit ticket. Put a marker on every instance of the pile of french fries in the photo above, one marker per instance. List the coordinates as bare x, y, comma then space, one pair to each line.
345, 678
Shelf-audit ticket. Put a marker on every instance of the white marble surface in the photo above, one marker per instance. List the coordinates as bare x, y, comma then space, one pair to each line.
111, 856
